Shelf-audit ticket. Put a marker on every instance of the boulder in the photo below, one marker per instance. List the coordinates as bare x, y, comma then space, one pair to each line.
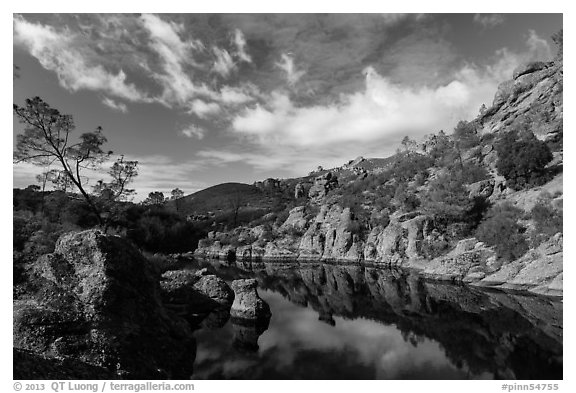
189, 293
247, 304
216, 289
481, 189
528, 68
296, 220
97, 300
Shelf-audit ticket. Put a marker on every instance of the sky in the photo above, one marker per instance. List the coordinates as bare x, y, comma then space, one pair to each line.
202, 99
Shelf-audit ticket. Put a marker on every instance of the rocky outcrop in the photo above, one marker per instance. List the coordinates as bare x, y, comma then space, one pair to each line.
215, 249
97, 300
539, 271
397, 244
322, 185
330, 236
299, 191
533, 96
296, 220
470, 261
248, 306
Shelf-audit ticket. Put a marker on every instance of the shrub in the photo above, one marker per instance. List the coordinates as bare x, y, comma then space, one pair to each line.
548, 221
408, 164
465, 135
500, 229
522, 159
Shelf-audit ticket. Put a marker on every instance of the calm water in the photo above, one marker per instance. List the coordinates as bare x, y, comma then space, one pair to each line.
352, 322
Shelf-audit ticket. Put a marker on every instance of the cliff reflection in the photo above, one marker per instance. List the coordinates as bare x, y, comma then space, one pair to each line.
334, 321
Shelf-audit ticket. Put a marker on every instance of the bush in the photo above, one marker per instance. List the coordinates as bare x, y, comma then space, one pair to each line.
501, 230
522, 159
548, 221
465, 135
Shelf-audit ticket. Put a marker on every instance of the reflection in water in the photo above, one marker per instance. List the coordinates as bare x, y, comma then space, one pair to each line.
353, 322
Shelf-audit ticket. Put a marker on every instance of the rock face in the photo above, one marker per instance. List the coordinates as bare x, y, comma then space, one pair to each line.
322, 184
97, 300
539, 271
533, 96
330, 236
397, 244
299, 191
248, 306
296, 220
470, 261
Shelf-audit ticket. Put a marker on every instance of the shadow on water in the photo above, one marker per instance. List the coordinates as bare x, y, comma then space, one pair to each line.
355, 322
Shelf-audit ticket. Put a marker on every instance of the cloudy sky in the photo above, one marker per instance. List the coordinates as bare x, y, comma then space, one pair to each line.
204, 99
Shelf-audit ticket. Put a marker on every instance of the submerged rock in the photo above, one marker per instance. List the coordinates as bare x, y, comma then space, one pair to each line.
247, 304
190, 293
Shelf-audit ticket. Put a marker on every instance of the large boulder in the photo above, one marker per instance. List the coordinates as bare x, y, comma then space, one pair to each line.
97, 300
248, 306
195, 295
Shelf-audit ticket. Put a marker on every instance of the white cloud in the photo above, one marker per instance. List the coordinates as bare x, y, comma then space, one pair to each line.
178, 87
117, 106
372, 121
237, 95
287, 64
193, 131
488, 21
240, 43
204, 109
60, 52
224, 64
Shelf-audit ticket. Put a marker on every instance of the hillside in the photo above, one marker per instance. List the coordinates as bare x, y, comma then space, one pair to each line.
482, 205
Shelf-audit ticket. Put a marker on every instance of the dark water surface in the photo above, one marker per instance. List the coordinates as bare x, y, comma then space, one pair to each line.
353, 322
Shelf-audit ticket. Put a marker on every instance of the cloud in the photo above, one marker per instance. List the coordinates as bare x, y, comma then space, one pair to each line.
174, 55
117, 106
61, 52
224, 64
238, 95
372, 121
287, 64
489, 21
240, 43
539, 47
204, 109
193, 131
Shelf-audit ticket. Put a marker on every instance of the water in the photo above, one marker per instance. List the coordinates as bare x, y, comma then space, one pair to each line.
352, 322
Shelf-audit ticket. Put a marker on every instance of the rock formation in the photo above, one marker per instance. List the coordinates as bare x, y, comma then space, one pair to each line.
248, 306
96, 299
